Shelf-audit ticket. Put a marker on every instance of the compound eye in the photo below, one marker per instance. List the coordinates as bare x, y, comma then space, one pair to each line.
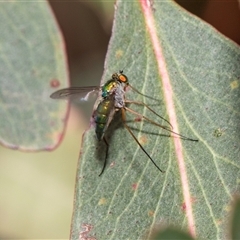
123, 78
115, 76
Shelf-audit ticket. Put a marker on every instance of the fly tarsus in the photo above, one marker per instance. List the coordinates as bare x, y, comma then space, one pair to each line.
134, 137
106, 156
159, 125
150, 109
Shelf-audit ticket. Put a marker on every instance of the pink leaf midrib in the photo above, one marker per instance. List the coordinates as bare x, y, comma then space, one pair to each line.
168, 95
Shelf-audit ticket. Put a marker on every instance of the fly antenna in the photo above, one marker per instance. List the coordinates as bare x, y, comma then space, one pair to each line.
135, 90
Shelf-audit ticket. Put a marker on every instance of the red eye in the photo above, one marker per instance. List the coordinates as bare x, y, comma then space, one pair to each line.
122, 78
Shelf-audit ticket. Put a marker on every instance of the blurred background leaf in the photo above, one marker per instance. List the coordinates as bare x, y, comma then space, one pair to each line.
37, 189
32, 66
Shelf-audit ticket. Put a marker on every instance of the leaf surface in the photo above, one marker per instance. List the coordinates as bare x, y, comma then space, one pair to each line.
32, 67
194, 72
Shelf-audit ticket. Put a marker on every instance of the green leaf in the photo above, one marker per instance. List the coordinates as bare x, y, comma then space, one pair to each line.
32, 66
194, 72
235, 231
171, 233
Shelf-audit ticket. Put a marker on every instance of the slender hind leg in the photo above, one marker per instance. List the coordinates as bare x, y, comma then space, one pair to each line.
139, 144
159, 125
150, 109
105, 160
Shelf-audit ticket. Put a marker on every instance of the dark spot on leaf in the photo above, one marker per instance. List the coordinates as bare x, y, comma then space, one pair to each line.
134, 186
234, 84
54, 83
151, 213
138, 119
102, 201
183, 207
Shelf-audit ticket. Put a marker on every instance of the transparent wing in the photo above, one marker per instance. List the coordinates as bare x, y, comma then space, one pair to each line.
82, 93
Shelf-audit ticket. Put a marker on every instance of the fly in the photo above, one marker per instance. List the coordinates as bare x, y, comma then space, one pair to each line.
111, 101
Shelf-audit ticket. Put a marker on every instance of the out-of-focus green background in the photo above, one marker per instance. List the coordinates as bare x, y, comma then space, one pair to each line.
37, 189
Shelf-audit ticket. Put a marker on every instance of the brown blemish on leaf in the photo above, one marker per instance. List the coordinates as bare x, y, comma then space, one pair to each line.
151, 213
183, 206
142, 139
219, 222
138, 119
119, 53
134, 186
54, 83
234, 84
102, 201
228, 208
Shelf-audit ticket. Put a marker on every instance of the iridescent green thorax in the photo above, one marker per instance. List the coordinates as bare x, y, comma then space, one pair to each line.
108, 88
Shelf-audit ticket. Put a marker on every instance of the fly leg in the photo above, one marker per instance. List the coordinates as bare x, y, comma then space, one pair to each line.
134, 137
150, 109
159, 125
135, 90
106, 156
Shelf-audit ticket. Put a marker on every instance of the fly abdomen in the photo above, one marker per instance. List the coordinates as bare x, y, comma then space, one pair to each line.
103, 116
100, 120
